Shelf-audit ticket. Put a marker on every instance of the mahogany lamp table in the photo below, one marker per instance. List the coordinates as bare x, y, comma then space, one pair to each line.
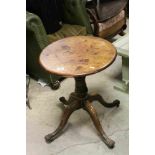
78, 57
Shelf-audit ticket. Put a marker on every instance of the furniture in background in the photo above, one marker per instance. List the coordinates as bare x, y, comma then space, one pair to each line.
44, 26
78, 57
27, 91
108, 17
127, 9
122, 46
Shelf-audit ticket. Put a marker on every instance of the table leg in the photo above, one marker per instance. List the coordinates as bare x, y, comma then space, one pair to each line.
92, 112
67, 112
99, 98
80, 99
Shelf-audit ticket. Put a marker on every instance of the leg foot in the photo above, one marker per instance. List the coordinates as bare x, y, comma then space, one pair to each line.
28, 103
92, 112
63, 100
67, 112
122, 33
55, 85
99, 98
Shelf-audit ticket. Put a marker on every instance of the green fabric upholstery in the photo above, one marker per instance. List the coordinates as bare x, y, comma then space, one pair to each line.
36, 40
75, 22
74, 12
66, 31
34, 24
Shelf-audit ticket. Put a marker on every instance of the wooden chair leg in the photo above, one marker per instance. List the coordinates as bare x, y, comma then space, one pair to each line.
122, 33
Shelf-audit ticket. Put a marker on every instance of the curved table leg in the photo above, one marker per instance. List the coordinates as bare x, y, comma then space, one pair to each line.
92, 112
67, 112
99, 98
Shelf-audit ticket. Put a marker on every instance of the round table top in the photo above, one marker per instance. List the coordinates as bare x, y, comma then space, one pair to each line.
77, 56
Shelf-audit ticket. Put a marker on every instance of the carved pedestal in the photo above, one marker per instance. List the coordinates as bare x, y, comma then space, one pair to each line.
81, 99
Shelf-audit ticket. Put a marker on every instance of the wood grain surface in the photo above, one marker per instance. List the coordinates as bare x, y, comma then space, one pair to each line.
77, 56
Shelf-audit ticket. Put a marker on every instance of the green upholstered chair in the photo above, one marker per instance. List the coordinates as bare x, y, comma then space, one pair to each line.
75, 21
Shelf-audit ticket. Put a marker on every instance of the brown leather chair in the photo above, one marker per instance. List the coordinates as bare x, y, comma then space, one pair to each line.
107, 17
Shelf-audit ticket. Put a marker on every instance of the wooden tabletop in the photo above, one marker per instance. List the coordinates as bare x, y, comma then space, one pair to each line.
77, 56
